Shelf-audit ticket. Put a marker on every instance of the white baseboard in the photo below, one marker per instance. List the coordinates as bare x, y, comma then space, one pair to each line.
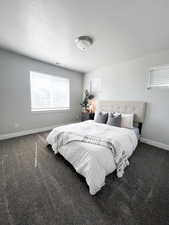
33, 131
25, 132
154, 143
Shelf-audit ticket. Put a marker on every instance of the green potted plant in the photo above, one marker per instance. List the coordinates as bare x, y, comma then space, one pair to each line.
85, 103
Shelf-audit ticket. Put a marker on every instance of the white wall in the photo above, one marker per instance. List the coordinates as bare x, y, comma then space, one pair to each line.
15, 113
128, 81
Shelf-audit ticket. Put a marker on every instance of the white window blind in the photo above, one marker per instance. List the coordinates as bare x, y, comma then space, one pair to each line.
159, 77
48, 92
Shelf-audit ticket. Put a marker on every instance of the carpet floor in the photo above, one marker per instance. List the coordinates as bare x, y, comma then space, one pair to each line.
54, 194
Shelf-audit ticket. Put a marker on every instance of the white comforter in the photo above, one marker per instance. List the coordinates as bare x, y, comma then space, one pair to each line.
92, 161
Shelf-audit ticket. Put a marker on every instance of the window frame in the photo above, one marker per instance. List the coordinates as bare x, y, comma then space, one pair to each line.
46, 110
149, 85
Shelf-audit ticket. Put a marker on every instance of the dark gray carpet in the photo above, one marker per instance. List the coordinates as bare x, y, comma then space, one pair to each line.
54, 194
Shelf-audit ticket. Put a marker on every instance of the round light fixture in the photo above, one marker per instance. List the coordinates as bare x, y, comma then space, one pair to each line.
83, 42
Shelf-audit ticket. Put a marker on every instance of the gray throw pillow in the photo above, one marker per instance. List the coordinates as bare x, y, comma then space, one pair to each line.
114, 119
101, 117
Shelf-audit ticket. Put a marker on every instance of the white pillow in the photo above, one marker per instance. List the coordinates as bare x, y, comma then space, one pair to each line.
127, 120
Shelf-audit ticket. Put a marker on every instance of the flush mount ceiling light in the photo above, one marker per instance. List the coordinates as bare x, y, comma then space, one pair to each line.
83, 42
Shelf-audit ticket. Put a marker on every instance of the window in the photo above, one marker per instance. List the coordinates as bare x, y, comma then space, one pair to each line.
159, 77
48, 92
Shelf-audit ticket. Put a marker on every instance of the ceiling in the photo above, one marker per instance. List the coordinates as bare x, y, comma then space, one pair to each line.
122, 30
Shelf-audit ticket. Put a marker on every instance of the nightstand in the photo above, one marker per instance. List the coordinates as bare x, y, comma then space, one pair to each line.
87, 116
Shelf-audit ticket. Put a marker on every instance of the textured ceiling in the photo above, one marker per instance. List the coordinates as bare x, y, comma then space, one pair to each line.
122, 30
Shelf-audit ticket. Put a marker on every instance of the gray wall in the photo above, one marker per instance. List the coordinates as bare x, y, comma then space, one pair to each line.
128, 81
15, 113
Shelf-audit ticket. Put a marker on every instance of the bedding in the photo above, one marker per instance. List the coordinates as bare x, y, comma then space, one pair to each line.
114, 119
136, 131
127, 120
101, 117
94, 149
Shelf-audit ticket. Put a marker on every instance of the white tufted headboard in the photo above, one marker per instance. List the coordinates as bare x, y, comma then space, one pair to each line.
136, 107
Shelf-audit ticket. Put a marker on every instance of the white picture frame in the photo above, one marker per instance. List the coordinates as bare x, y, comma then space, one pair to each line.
95, 85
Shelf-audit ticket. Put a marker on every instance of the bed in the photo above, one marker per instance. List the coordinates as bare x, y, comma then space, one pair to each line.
96, 150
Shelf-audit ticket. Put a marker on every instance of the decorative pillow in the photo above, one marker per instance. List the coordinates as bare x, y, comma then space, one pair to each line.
114, 119
127, 120
101, 117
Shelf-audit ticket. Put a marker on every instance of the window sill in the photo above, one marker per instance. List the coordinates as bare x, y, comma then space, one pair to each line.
49, 110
